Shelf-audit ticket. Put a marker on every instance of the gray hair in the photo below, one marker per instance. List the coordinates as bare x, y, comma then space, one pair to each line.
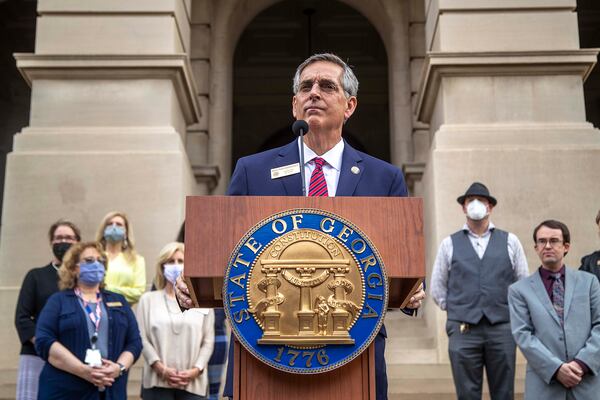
349, 81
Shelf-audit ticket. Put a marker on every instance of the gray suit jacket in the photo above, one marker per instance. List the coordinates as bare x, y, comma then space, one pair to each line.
537, 331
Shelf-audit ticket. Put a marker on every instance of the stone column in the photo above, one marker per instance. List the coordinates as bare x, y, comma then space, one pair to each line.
111, 96
207, 171
413, 169
502, 91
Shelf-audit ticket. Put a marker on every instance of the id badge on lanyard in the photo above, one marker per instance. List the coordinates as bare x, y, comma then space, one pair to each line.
93, 358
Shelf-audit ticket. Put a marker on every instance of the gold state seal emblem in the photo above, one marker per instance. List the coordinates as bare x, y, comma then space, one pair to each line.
305, 291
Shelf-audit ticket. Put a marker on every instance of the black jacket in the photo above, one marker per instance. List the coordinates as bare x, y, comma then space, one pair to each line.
38, 285
591, 263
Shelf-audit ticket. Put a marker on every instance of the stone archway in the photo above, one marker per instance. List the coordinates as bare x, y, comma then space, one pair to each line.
229, 20
269, 50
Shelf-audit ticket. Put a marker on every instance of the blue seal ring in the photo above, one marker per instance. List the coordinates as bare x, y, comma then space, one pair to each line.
290, 357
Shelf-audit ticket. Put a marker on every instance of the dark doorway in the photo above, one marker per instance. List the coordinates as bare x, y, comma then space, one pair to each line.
17, 35
588, 14
265, 60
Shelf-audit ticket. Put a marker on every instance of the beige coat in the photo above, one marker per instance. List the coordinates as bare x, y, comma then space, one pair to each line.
179, 340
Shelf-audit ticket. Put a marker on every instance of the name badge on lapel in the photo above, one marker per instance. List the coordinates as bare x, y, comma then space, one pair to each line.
114, 304
286, 170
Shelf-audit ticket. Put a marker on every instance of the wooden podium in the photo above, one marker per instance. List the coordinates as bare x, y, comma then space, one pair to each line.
215, 224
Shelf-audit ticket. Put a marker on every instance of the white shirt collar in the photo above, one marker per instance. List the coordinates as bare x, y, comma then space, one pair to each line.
490, 228
333, 157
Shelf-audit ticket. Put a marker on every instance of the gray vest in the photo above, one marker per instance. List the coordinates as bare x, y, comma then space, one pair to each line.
478, 287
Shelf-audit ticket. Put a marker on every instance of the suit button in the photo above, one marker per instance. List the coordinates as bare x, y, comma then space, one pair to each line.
560, 338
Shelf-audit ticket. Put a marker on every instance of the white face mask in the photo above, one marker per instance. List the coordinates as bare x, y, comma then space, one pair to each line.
172, 272
476, 210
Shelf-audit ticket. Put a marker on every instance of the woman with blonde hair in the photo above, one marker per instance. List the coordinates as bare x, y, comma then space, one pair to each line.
87, 335
127, 274
177, 345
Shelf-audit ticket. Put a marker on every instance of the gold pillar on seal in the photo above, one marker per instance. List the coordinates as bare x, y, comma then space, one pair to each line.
271, 314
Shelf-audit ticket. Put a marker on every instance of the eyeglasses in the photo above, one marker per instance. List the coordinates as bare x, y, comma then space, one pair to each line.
325, 85
64, 238
90, 260
554, 242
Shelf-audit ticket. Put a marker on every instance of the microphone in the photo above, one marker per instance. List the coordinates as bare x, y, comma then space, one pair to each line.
300, 127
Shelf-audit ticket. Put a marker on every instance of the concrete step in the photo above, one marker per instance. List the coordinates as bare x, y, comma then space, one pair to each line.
434, 381
8, 383
394, 355
440, 396
435, 386
433, 371
399, 324
409, 340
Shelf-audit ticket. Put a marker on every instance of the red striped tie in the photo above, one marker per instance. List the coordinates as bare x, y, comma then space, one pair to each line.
318, 185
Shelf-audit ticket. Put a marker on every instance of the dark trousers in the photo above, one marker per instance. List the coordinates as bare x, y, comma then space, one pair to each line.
482, 345
381, 382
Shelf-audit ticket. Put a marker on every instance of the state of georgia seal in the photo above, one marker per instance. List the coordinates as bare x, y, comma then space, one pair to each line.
305, 291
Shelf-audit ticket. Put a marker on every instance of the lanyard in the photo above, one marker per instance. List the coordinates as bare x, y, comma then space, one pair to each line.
95, 316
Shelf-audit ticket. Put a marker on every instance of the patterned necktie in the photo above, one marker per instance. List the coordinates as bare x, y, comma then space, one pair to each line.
558, 296
318, 185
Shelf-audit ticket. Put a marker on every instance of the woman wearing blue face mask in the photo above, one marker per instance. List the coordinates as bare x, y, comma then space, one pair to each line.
88, 336
127, 275
177, 346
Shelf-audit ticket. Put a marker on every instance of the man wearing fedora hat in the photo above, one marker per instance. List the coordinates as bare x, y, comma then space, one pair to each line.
472, 272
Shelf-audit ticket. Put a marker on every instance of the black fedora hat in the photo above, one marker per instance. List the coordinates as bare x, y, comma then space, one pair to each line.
477, 189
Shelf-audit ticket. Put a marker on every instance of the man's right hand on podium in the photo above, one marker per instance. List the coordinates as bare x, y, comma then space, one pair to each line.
183, 294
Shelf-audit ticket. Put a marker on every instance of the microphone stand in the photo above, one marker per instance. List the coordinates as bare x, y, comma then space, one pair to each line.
302, 162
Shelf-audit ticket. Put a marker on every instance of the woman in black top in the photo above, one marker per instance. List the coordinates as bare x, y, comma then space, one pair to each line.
38, 285
591, 262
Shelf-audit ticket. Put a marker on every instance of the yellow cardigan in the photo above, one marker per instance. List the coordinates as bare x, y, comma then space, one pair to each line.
128, 279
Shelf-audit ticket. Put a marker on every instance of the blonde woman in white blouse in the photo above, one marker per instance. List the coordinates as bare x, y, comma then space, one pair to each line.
177, 346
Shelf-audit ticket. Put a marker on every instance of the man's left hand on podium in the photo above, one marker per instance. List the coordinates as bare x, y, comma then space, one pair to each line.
183, 294
417, 298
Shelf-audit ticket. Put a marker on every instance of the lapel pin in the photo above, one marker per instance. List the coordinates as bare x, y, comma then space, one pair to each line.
355, 170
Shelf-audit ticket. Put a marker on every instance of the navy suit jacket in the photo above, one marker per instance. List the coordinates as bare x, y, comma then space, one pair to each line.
252, 177
63, 320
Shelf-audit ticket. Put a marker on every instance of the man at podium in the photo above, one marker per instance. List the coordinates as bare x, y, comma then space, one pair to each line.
325, 97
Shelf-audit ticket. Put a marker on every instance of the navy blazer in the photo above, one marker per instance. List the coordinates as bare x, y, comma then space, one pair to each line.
63, 320
252, 177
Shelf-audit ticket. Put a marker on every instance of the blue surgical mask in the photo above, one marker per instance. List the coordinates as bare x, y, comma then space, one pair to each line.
114, 233
172, 272
91, 273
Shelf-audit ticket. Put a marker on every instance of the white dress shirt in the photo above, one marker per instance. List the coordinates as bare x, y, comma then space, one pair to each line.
331, 168
443, 261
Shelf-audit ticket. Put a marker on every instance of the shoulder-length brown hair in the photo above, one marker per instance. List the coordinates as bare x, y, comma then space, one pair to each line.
166, 253
128, 245
68, 273
63, 222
